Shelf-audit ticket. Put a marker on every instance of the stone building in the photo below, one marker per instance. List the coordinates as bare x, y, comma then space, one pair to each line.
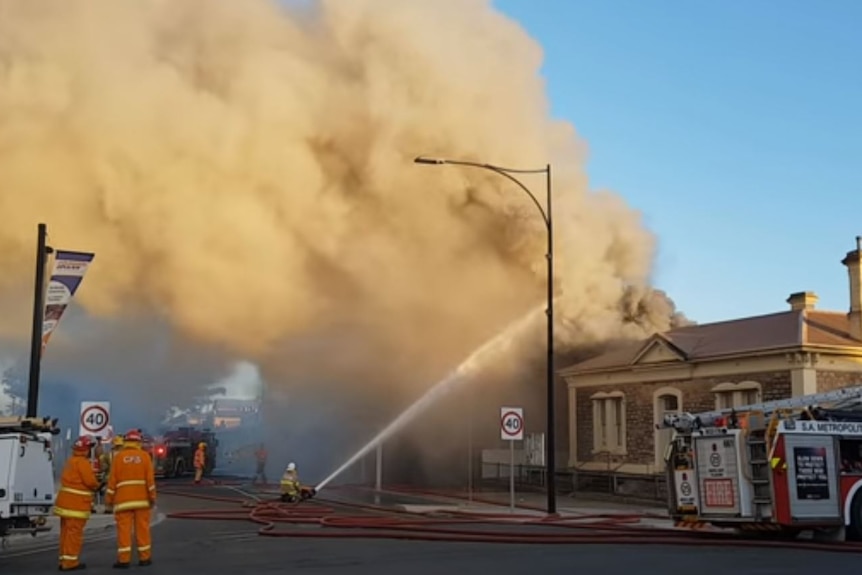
617, 398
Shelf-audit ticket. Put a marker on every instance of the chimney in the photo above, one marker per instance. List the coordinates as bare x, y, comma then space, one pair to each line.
853, 261
802, 300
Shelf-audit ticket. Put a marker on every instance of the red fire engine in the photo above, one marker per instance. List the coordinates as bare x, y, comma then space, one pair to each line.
173, 453
785, 466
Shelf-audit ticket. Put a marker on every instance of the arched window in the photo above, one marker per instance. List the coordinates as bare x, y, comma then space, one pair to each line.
731, 395
666, 400
609, 422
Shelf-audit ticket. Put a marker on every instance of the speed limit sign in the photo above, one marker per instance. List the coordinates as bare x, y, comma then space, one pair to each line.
95, 418
512, 423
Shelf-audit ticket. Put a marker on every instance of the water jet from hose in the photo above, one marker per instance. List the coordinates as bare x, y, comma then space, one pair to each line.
469, 366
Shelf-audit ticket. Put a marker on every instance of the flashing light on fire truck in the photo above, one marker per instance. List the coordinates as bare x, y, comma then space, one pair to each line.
785, 466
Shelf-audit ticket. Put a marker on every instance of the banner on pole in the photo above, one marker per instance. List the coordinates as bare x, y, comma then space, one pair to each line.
68, 272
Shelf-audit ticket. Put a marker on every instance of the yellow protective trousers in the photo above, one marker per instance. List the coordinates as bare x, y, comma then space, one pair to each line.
139, 521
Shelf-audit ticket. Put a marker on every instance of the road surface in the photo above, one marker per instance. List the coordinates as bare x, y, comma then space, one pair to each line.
191, 547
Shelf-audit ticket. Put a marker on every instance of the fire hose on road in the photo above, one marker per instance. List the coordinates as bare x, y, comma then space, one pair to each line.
332, 520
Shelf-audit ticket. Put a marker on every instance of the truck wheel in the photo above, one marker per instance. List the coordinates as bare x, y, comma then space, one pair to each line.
854, 530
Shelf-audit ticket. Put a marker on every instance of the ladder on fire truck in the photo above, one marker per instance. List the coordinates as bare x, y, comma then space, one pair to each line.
688, 421
763, 421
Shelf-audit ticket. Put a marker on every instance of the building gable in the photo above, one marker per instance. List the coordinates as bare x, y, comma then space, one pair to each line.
658, 350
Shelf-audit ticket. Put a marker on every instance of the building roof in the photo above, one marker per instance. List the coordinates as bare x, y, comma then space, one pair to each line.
777, 331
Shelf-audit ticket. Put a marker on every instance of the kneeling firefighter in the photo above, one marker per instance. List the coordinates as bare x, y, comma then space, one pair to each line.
291, 490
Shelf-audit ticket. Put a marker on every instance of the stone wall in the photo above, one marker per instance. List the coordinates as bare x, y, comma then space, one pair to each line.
640, 416
832, 380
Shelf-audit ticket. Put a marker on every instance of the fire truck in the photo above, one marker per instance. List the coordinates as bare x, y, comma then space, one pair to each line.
783, 466
26, 474
173, 452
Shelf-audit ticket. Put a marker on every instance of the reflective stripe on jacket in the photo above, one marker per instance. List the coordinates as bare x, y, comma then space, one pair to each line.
131, 484
77, 484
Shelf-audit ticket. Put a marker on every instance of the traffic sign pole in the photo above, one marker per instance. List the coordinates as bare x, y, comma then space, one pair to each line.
512, 476
512, 430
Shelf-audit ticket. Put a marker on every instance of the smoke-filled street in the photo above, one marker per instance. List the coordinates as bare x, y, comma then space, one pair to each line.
465, 286
186, 546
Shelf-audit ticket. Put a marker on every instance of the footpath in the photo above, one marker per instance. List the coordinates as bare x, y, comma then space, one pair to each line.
566, 504
498, 503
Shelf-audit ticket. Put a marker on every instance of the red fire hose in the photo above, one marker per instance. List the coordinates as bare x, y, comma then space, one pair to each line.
383, 523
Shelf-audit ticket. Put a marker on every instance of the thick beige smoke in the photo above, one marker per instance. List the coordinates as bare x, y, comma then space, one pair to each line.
245, 170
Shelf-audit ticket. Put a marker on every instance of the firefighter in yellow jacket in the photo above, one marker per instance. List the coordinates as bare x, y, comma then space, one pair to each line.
290, 487
200, 461
74, 503
132, 493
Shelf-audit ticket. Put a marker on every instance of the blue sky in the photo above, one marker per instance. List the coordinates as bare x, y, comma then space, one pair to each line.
734, 126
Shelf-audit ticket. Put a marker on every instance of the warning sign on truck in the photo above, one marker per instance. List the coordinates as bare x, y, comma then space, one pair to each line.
686, 490
812, 477
718, 493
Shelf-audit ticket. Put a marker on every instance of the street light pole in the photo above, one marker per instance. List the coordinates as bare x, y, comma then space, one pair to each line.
43, 250
550, 448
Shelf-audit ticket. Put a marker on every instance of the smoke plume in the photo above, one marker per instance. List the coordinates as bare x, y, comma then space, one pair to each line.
244, 172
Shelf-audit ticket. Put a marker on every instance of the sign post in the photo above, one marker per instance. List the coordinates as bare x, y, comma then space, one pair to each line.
95, 418
378, 480
512, 430
470, 459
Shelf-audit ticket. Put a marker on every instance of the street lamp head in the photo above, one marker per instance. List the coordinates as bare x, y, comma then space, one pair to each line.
431, 161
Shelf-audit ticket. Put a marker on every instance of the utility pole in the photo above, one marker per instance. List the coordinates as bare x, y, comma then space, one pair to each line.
42, 252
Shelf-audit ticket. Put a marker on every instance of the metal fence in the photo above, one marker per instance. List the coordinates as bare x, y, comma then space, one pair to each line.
573, 481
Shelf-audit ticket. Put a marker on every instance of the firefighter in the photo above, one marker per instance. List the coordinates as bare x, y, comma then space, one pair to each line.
103, 457
290, 486
260, 456
132, 493
104, 460
200, 461
74, 503
98, 471
116, 446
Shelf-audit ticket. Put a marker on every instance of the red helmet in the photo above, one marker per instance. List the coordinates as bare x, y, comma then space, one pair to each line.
133, 435
82, 443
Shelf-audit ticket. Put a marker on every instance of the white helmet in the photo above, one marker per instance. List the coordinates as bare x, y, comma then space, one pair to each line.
291, 466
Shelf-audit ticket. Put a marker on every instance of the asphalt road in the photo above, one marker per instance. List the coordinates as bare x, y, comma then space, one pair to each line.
186, 547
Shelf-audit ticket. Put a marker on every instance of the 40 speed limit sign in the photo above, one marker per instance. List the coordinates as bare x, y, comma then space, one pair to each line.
95, 418
512, 423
